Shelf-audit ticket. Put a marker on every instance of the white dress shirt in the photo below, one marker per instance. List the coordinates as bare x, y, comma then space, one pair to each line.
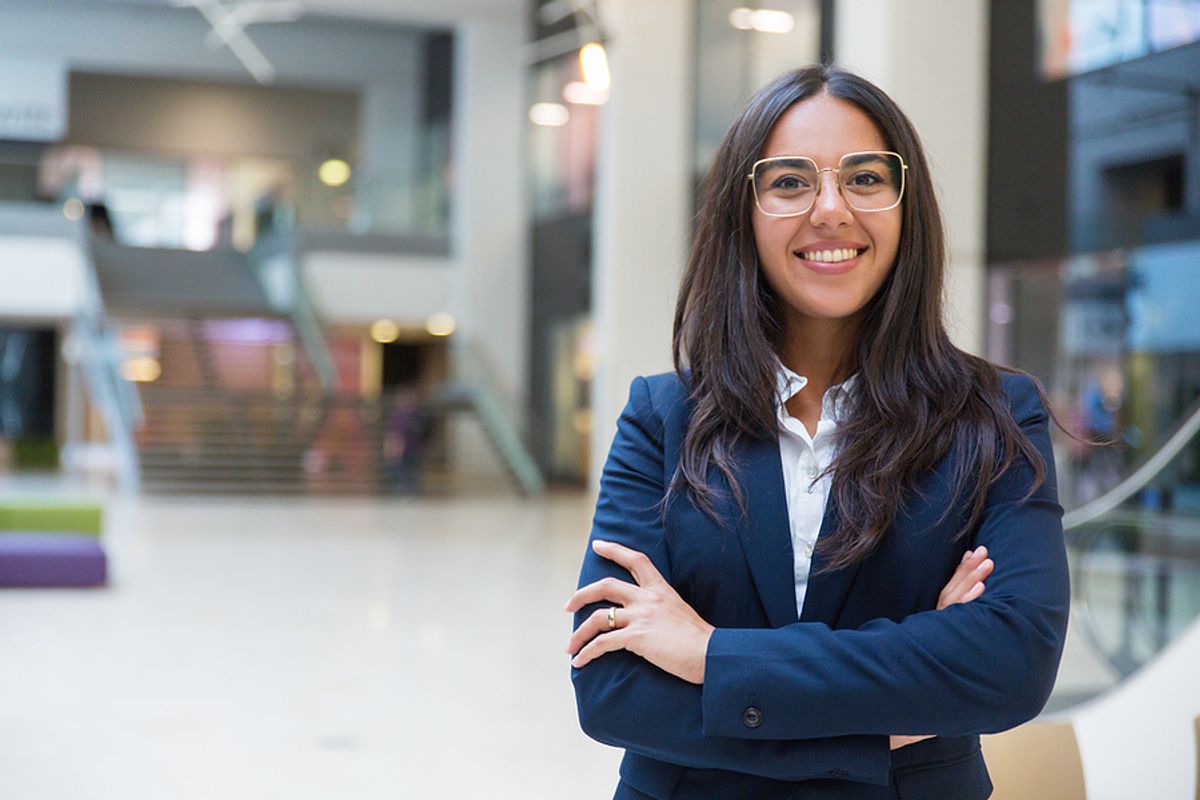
804, 456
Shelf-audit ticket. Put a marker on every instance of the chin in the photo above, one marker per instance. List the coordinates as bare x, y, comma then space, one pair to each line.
829, 308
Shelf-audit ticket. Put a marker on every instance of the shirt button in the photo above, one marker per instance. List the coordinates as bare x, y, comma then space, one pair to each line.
808, 550
752, 717
813, 471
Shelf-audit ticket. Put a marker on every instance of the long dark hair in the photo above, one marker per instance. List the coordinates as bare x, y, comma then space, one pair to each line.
916, 395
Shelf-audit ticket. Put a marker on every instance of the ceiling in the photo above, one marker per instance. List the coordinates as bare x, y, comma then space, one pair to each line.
418, 12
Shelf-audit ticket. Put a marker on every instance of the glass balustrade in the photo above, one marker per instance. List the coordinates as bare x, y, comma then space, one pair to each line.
1116, 341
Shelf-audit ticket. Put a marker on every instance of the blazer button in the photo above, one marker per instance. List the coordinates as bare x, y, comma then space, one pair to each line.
752, 717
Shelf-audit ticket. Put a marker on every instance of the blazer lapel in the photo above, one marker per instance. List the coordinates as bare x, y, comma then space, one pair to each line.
764, 531
827, 591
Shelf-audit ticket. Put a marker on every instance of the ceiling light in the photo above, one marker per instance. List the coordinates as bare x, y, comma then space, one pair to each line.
334, 172
773, 21
553, 115
742, 19
762, 20
593, 61
581, 94
141, 369
441, 324
73, 209
385, 331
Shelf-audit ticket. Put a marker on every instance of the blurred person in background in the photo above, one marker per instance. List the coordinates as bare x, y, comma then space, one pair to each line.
783, 594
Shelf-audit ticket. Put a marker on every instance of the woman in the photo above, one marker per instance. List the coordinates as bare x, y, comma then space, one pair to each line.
785, 577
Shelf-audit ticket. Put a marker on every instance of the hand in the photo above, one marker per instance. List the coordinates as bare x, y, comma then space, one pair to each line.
964, 585
652, 620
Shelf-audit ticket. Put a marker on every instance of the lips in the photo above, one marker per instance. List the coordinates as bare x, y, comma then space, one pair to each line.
831, 258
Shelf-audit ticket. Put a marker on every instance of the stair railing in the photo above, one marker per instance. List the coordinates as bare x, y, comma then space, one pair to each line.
476, 382
275, 264
1081, 526
97, 344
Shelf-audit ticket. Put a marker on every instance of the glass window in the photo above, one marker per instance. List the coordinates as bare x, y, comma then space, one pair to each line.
737, 53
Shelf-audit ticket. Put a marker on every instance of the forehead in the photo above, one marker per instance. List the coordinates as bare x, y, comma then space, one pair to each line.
824, 128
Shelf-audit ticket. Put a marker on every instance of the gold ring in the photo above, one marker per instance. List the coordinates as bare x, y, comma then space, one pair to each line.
612, 617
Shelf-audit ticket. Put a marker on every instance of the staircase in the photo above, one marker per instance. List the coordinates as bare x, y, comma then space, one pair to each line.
244, 402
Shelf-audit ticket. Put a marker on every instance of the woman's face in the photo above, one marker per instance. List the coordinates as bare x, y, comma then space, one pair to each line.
824, 129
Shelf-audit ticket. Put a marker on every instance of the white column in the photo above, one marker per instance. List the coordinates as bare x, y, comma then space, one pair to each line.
490, 228
643, 201
931, 57
389, 125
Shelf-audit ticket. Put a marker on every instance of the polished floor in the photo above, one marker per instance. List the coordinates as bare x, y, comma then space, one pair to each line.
303, 648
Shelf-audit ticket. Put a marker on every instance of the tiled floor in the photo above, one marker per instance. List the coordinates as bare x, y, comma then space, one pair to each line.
302, 648
305, 649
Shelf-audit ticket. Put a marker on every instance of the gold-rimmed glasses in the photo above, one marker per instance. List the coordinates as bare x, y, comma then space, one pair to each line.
787, 186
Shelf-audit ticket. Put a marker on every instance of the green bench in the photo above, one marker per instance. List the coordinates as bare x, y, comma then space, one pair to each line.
31, 516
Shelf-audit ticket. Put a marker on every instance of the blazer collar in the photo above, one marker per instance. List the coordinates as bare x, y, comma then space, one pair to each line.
765, 534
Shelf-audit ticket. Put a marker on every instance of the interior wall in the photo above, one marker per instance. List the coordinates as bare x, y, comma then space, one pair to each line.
191, 117
1027, 136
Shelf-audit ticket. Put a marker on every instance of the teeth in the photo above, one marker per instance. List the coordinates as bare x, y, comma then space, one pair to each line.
830, 256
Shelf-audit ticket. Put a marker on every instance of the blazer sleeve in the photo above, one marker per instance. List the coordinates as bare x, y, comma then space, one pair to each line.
625, 701
979, 667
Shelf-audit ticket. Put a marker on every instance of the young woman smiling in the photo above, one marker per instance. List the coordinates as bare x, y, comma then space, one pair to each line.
784, 592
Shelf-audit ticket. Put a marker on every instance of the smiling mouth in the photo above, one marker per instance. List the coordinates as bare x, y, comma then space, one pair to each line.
831, 256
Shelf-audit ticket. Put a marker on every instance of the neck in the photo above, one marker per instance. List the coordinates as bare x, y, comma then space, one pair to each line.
822, 350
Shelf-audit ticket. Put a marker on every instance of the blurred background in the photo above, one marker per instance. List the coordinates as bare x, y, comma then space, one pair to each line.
316, 317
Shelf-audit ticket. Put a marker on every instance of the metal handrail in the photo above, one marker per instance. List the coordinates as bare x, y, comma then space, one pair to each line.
1090, 512
1139, 478
101, 358
286, 291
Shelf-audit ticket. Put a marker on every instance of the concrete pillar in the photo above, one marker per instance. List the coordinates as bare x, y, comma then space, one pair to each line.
389, 131
643, 201
931, 56
491, 221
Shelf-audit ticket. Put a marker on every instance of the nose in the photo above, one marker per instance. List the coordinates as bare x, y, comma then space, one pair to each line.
829, 208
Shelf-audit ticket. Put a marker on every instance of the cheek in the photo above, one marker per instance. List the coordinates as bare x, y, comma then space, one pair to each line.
762, 235
886, 235
771, 240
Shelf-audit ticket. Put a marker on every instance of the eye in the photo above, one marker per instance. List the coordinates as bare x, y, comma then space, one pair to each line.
789, 183
865, 179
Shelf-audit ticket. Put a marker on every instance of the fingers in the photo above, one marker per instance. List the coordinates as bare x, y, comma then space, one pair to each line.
970, 586
612, 590
896, 742
971, 559
639, 564
595, 624
973, 592
599, 646
967, 582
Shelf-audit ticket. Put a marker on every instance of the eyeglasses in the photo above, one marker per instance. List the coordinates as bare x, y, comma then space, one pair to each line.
787, 186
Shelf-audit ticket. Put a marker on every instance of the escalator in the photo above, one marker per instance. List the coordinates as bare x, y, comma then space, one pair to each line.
1135, 555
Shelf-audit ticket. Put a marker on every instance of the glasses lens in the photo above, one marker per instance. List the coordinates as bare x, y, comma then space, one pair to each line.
872, 181
786, 185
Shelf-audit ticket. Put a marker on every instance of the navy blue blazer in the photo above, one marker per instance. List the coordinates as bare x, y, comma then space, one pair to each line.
801, 707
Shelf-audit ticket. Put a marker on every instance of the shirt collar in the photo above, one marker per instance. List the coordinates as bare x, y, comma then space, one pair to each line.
788, 383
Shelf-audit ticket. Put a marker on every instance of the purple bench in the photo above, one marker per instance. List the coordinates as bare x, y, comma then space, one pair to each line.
51, 559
